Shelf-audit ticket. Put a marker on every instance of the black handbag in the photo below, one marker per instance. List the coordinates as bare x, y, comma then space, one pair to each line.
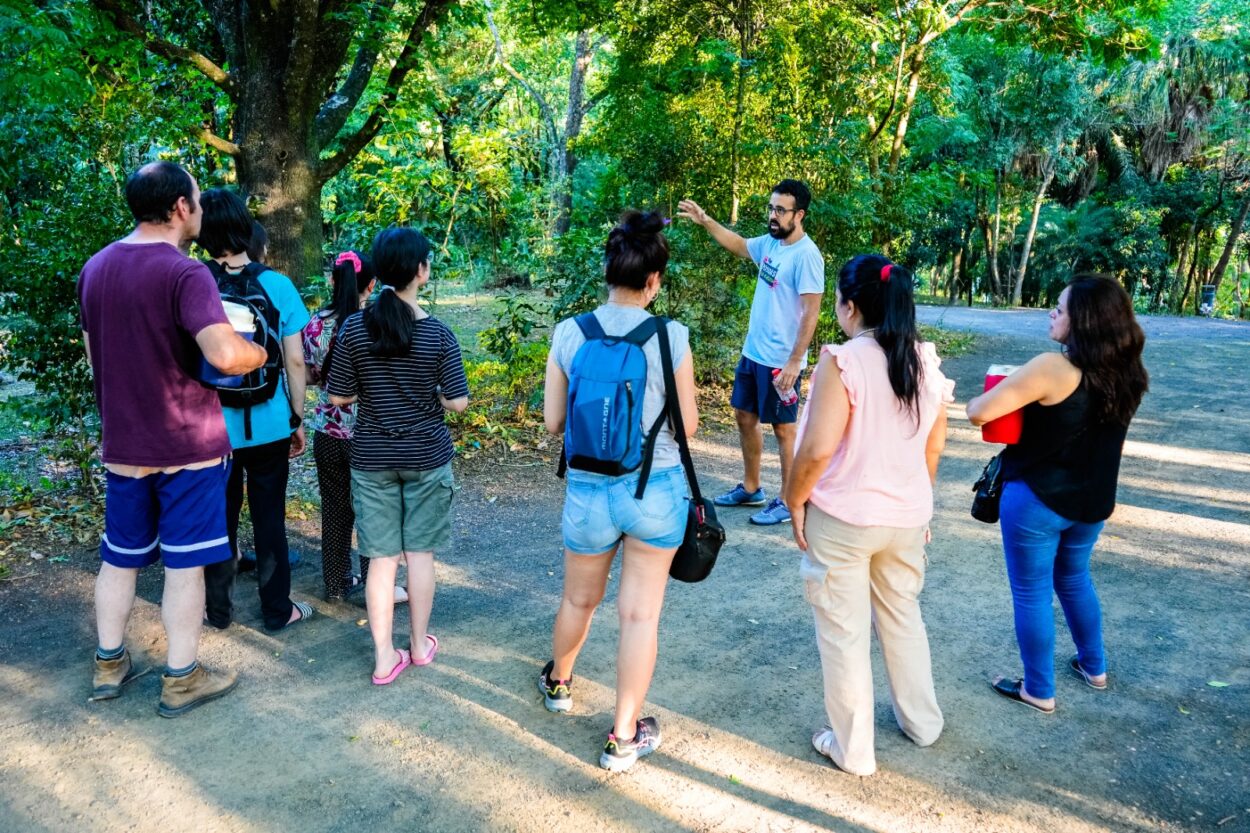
988, 491
697, 554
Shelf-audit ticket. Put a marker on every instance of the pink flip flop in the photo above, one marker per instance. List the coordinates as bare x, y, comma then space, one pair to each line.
405, 660
428, 658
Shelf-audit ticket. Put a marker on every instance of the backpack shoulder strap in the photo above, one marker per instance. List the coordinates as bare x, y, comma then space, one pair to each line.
672, 411
641, 334
590, 326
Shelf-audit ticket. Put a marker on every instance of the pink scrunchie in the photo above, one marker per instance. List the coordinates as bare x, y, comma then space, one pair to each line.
349, 257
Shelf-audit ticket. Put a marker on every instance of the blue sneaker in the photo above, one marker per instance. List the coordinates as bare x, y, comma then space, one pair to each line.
739, 496
772, 514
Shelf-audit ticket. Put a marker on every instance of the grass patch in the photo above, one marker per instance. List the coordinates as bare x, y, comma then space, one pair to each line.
950, 343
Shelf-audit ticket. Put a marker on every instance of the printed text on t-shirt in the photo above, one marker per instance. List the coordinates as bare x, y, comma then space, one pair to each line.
768, 272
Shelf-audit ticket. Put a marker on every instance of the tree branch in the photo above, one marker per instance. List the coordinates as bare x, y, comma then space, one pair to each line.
123, 21
215, 142
544, 108
338, 107
332, 164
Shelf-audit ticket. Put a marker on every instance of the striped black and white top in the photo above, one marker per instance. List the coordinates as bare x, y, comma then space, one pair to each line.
399, 421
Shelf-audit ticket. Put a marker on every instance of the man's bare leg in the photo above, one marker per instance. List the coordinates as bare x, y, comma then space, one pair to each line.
752, 435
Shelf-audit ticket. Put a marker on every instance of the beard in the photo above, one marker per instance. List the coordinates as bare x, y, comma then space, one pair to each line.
779, 232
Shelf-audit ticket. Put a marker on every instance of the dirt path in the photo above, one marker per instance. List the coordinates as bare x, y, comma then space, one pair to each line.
464, 745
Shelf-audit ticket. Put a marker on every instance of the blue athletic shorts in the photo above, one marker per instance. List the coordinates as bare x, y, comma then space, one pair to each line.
599, 509
179, 518
754, 393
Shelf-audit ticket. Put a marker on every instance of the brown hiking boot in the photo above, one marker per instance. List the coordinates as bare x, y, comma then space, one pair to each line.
111, 674
180, 695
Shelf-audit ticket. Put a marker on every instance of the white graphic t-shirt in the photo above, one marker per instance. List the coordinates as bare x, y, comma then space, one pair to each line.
786, 272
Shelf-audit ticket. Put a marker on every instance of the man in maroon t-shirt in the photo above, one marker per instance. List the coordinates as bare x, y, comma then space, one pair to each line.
149, 316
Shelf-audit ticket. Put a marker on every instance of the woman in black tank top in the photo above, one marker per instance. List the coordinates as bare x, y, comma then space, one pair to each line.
1060, 479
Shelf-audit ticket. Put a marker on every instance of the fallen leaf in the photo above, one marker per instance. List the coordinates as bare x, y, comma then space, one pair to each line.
1182, 710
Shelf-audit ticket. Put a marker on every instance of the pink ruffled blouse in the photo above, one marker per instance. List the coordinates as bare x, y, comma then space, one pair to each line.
878, 476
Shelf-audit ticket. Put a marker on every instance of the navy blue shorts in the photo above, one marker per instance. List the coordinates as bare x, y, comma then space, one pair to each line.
754, 393
179, 518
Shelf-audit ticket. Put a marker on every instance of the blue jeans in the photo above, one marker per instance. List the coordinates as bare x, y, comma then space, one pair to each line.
1046, 550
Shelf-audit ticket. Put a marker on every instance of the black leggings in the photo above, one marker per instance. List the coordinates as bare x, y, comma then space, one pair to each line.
334, 479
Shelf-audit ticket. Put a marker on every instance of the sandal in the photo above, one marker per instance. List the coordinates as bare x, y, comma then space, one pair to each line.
305, 613
405, 660
1011, 690
428, 658
1074, 665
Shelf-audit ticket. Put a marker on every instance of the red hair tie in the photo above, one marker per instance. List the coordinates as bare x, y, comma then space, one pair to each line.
349, 257
885, 272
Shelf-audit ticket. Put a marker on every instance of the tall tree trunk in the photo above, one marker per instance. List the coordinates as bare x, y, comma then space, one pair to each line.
740, 98
583, 54
293, 74
1230, 245
914, 69
1017, 292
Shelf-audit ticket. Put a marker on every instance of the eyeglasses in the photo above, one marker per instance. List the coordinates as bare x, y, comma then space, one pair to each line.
778, 210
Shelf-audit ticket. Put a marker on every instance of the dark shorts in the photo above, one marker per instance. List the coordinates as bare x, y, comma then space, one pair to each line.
754, 393
179, 518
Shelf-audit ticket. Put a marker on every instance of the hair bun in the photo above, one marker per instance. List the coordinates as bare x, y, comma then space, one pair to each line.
640, 224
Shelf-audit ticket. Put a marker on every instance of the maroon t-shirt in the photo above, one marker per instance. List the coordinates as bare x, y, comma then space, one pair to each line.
142, 305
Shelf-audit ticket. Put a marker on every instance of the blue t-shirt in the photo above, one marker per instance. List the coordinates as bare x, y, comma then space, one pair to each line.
271, 421
786, 272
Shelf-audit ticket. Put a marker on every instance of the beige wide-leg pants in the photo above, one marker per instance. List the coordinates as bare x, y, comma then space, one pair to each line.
856, 579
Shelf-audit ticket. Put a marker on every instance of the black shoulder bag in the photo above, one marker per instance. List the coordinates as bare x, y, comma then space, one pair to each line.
696, 556
988, 490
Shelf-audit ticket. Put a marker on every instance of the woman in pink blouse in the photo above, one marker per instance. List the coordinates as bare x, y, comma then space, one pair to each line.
861, 495
351, 282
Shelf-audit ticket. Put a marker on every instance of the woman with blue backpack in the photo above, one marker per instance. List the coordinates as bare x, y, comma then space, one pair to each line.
605, 391
402, 369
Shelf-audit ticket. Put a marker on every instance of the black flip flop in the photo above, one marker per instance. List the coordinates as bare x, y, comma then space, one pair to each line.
1075, 665
1011, 690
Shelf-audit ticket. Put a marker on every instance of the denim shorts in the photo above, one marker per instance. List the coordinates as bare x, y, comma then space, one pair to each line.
599, 509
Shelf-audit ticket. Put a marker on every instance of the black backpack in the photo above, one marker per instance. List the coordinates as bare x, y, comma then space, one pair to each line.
260, 385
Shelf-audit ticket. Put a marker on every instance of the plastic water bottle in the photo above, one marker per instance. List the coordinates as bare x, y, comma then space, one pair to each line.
788, 397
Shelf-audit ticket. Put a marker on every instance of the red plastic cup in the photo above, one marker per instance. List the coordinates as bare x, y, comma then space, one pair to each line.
1008, 427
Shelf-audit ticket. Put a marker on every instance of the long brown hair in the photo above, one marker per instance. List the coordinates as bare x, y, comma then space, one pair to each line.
1105, 341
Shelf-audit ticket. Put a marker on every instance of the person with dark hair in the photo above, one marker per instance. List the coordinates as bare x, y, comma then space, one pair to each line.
153, 192
258, 246
784, 311
403, 370
861, 493
265, 435
603, 513
351, 283
1059, 481
149, 316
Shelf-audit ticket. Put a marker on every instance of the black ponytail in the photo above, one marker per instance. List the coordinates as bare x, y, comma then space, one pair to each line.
882, 292
398, 253
353, 272
351, 276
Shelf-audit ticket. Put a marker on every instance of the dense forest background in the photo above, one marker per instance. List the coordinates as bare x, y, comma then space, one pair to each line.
994, 146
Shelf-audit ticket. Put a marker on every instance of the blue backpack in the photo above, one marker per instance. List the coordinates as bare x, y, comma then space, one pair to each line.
607, 383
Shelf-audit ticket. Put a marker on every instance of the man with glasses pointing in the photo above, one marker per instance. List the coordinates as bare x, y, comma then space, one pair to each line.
784, 311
